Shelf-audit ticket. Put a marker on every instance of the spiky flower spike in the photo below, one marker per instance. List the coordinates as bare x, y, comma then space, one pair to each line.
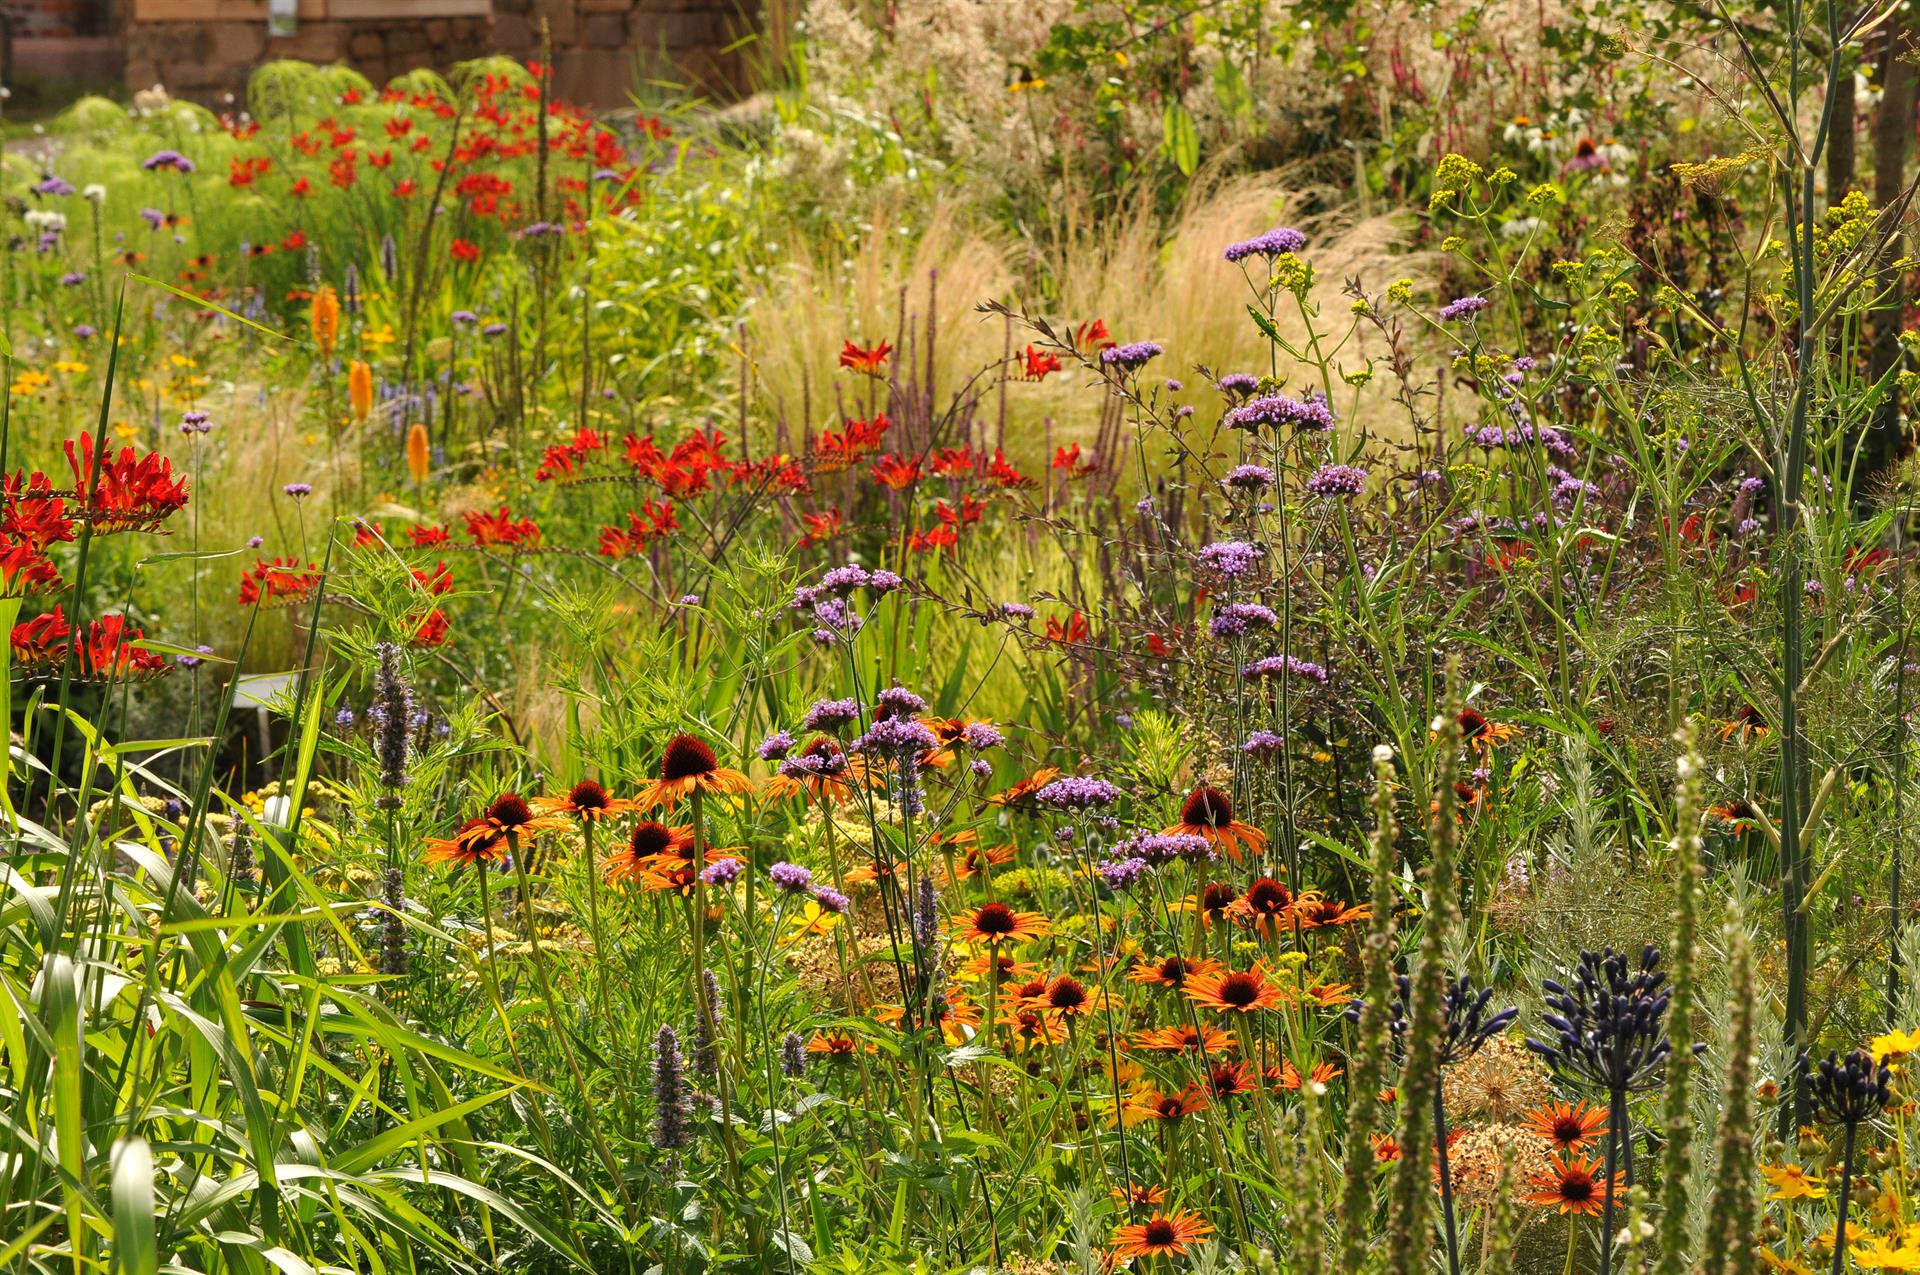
1727, 1247
1677, 1159
1408, 1239
393, 725
670, 1131
1370, 1051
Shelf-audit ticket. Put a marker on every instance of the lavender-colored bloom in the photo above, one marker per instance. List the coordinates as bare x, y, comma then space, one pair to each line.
1123, 874
1237, 383
343, 718
845, 579
52, 185
391, 712
1286, 666
195, 423
254, 542
897, 737
1174, 385
706, 1028
791, 878
1336, 480
1230, 558
1311, 411
899, 700
85, 331
981, 735
1016, 611
1264, 743
689, 599
73, 278
793, 1056
1236, 618
297, 490
1753, 484
465, 318
195, 660
1248, 478
494, 329
167, 159
884, 582
1077, 792
925, 921
831, 714
776, 746
670, 1131
1461, 307
981, 768
831, 900
722, 872
1165, 847
1281, 239
1132, 355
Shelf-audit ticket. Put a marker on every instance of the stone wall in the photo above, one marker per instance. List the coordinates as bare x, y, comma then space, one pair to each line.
602, 48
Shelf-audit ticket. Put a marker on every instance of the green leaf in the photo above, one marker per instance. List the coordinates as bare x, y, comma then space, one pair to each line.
133, 1243
1180, 140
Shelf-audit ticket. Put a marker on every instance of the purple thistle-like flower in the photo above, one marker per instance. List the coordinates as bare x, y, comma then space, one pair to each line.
73, 278
153, 217
1132, 355
1078, 792
1237, 383
1281, 239
884, 582
1236, 618
297, 490
1263, 743
1311, 411
1017, 611
982, 735
494, 329
1248, 478
195, 423
898, 737
776, 746
981, 768
1462, 307
831, 900
831, 714
721, 872
167, 159
791, 878
1230, 558
899, 701
1336, 480
1123, 874
1165, 847
53, 185
1286, 666
845, 579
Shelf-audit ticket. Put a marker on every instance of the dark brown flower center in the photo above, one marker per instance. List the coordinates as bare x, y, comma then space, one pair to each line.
1174, 970
1268, 897
1066, 993
1207, 808
1160, 1233
1239, 990
685, 758
510, 810
995, 919
650, 838
588, 795
1576, 1190
1218, 896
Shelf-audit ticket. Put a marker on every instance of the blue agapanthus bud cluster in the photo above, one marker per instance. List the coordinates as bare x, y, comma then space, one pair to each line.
1846, 1090
1468, 1024
1609, 1021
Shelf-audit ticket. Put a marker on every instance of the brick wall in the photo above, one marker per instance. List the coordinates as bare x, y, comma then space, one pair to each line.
600, 47
204, 49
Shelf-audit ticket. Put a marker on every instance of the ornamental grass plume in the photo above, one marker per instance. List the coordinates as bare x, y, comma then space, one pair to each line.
1677, 1158
1369, 1065
360, 389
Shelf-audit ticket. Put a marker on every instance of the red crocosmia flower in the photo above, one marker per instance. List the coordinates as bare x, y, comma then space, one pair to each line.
281, 582
302, 188
503, 529
941, 539
1003, 474
464, 250
426, 537
438, 582
404, 189
1068, 459
1035, 366
41, 641
127, 493
896, 472
295, 241
367, 536
111, 652
1092, 333
954, 462
343, 171
399, 126
822, 527
1074, 630
868, 361
1157, 646
380, 159
432, 630
836, 450
32, 515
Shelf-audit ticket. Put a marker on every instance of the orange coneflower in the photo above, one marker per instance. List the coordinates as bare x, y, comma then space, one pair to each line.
586, 800
947, 730
1021, 795
1481, 733
1235, 991
1574, 1185
360, 389
1747, 724
1140, 1195
1215, 902
977, 859
1264, 908
955, 1014
1314, 912
652, 850
473, 842
837, 1045
1207, 1039
1208, 813
822, 770
1032, 1029
1568, 1127
1287, 1076
1385, 1149
995, 923
1161, 1235
1013, 972
419, 454
509, 818
1737, 815
1329, 995
1174, 971
1067, 997
1150, 1104
876, 870
688, 766
1229, 1080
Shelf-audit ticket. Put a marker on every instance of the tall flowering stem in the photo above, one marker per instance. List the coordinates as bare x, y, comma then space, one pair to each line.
1848, 1092
1678, 1117
1732, 1213
1370, 1049
1407, 1214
